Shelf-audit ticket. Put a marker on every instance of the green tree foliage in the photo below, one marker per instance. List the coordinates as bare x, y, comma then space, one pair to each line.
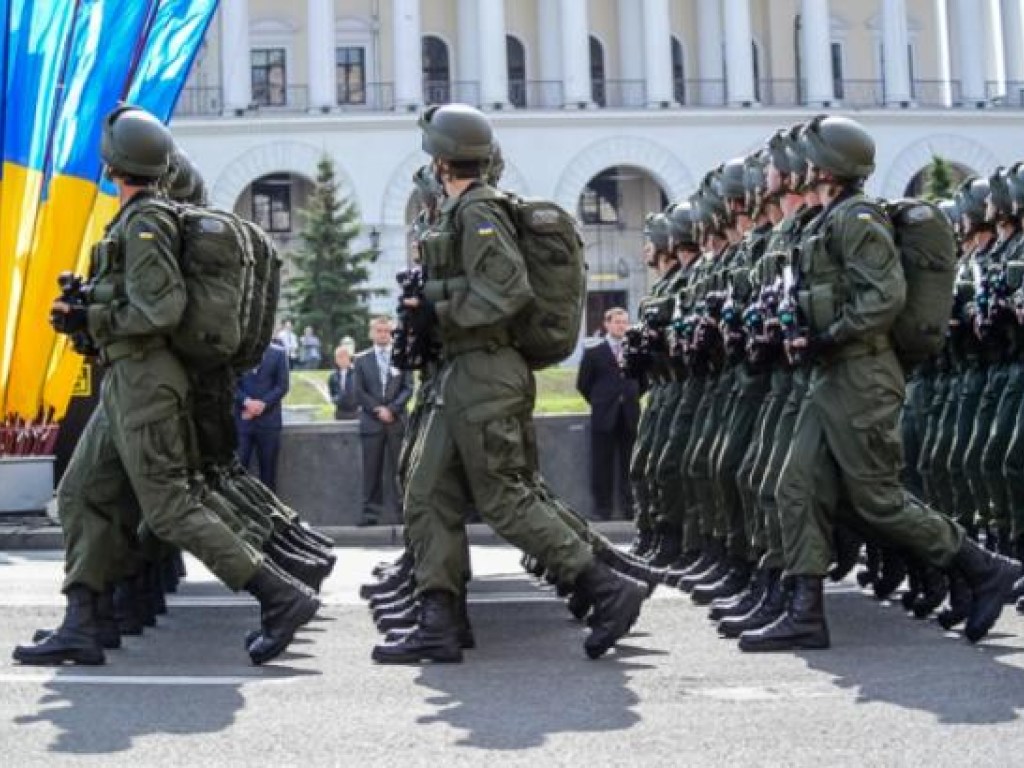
939, 182
328, 290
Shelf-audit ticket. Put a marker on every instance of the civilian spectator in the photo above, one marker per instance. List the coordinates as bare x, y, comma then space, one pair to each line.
342, 385
309, 349
258, 411
615, 411
286, 336
381, 394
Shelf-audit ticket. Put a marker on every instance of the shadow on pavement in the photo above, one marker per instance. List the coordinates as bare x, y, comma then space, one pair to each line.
529, 678
915, 665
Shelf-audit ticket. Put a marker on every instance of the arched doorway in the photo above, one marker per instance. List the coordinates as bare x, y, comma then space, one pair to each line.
927, 181
611, 211
274, 201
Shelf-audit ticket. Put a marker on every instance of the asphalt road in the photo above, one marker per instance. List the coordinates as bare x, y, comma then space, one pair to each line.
892, 691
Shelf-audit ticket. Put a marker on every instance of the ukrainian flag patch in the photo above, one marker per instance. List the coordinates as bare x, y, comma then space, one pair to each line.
486, 230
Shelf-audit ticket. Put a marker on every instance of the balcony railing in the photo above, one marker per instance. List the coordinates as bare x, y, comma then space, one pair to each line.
609, 94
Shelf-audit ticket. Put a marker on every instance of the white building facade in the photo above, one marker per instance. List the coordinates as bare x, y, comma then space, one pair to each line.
610, 107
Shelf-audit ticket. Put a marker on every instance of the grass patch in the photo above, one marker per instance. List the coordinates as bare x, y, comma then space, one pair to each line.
556, 392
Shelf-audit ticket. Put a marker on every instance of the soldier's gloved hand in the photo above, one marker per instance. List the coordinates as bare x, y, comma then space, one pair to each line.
821, 345
68, 318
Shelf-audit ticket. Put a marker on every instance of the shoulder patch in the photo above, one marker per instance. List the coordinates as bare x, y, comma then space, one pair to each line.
145, 234
486, 229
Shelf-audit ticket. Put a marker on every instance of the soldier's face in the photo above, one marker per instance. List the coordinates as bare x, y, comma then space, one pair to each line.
774, 180
650, 254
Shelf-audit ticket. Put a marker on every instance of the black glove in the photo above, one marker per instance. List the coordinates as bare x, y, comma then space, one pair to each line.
820, 346
74, 320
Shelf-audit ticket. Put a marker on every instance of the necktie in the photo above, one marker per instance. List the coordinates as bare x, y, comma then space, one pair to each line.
383, 362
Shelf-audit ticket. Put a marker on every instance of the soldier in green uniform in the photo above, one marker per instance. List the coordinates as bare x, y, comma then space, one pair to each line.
473, 447
136, 439
845, 445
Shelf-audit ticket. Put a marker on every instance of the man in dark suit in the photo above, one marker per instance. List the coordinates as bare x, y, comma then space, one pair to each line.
614, 413
258, 412
381, 394
342, 386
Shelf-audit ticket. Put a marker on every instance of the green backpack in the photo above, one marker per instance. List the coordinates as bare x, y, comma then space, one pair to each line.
547, 331
263, 297
217, 265
925, 240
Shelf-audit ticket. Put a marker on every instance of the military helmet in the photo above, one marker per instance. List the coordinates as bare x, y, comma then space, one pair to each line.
795, 154
682, 228
656, 229
711, 197
183, 182
495, 166
777, 148
950, 210
970, 199
999, 192
1015, 180
456, 132
755, 178
731, 179
840, 146
134, 142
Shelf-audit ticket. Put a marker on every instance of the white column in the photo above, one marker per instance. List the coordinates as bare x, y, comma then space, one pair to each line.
235, 59
995, 63
710, 61
493, 55
658, 53
323, 89
1013, 46
944, 71
739, 55
969, 28
575, 53
816, 45
895, 39
408, 44
468, 48
550, 42
631, 43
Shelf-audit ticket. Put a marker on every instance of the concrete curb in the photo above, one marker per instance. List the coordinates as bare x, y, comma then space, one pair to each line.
38, 533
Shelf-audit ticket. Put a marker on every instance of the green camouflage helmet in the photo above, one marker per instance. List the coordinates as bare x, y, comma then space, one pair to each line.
456, 132
134, 142
999, 193
495, 166
777, 148
840, 146
682, 230
731, 180
656, 229
183, 182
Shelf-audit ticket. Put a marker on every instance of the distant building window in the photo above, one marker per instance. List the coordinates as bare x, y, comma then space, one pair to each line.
678, 71
516, 55
350, 68
599, 202
437, 86
269, 78
837, 70
272, 202
597, 83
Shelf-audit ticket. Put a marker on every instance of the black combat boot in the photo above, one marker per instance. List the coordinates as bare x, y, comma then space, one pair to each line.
396, 607
405, 591
743, 603
308, 572
404, 560
801, 627
390, 583
770, 608
435, 637
914, 585
847, 550
681, 567
296, 536
169, 573
634, 567
75, 640
320, 538
616, 606
285, 605
324, 560
642, 543
718, 569
107, 631
126, 607
668, 548
932, 592
867, 575
710, 554
893, 571
467, 640
959, 601
403, 618
735, 580
579, 604
991, 578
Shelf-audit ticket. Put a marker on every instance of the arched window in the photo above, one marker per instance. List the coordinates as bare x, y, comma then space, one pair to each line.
678, 71
516, 55
437, 82
597, 84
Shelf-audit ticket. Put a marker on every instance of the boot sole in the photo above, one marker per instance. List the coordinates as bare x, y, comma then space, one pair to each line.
600, 641
807, 644
85, 658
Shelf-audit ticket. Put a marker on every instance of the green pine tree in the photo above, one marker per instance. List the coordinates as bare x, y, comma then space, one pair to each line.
328, 288
938, 180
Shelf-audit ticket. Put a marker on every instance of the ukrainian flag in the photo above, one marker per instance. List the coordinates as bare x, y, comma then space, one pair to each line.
66, 64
